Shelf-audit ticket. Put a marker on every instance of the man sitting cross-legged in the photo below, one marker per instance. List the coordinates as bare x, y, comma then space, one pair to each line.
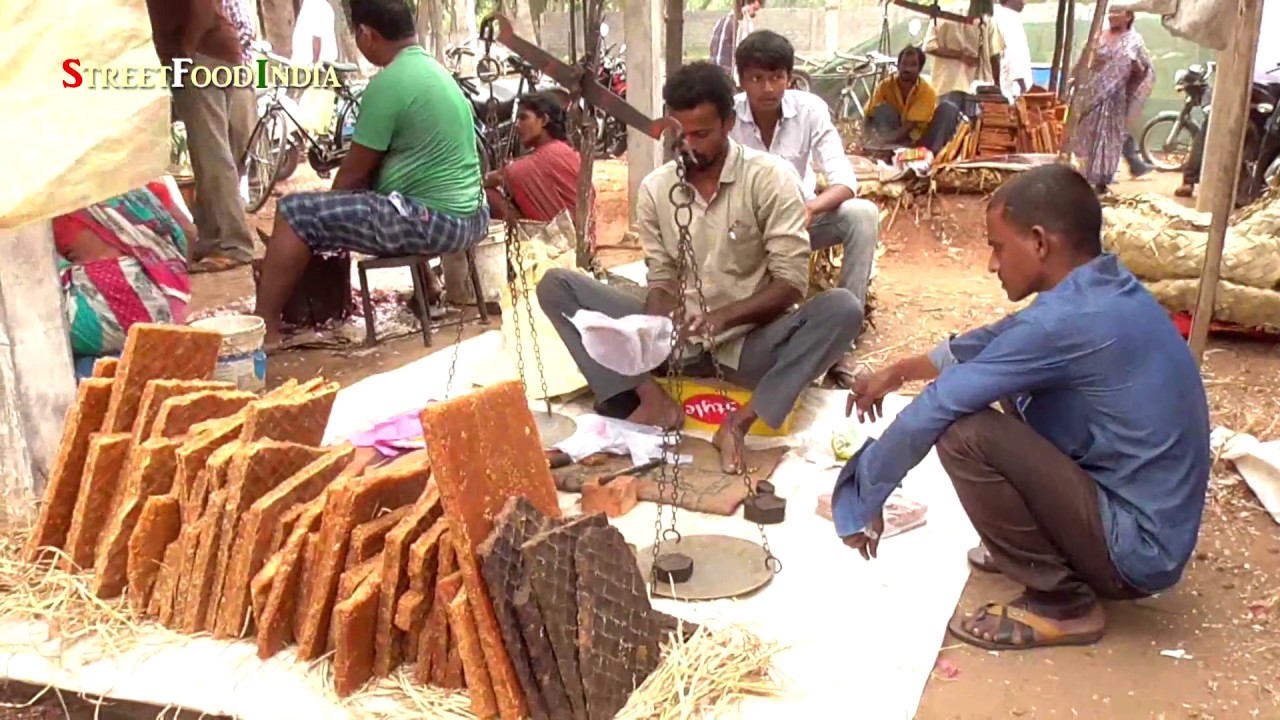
796, 126
752, 252
410, 183
1091, 484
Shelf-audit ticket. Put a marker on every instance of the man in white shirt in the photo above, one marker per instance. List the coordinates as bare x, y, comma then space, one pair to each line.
796, 126
1015, 61
314, 36
1266, 71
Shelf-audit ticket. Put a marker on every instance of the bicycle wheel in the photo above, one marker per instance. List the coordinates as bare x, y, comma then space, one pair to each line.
263, 157
1166, 142
800, 80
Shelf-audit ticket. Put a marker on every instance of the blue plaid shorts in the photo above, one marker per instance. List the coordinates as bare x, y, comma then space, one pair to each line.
380, 225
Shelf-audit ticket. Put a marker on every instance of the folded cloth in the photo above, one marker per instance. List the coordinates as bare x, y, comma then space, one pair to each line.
598, 434
900, 513
629, 345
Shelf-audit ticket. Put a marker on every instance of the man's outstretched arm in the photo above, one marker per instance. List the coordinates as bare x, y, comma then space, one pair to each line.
1023, 357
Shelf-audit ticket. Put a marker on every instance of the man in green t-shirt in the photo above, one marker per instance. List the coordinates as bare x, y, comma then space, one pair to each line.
410, 183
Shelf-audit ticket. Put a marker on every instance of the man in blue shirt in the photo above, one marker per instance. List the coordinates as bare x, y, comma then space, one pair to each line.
1092, 482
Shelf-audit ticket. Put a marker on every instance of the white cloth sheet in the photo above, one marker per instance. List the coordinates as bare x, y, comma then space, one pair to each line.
629, 345
597, 434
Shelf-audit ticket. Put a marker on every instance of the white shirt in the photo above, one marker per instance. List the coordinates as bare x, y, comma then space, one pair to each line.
315, 20
804, 137
1268, 55
1015, 61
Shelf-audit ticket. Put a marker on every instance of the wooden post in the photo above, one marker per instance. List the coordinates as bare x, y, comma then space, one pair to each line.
35, 358
1080, 77
675, 49
584, 220
1225, 141
1059, 32
643, 32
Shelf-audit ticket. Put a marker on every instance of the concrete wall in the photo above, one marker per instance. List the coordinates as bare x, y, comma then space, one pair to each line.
806, 28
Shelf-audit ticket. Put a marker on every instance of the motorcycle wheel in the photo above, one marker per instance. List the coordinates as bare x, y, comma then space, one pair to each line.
1166, 141
800, 80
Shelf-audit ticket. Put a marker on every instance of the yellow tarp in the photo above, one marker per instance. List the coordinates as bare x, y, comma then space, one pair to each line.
69, 147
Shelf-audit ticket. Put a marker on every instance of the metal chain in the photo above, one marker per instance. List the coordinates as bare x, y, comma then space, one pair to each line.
681, 196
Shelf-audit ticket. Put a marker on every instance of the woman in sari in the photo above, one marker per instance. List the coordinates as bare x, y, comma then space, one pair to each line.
542, 183
1121, 77
123, 261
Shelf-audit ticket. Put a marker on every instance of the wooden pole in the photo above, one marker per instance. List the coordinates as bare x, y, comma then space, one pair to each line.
1059, 31
675, 50
1229, 119
1080, 77
1068, 46
584, 219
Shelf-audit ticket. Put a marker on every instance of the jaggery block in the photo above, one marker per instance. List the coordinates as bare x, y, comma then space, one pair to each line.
462, 626
260, 588
305, 576
439, 643
160, 604
353, 623
157, 392
179, 415
253, 473
352, 578
299, 418
153, 352
254, 541
151, 469
105, 367
435, 638
351, 502
199, 583
424, 558
485, 448
406, 608
169, 583
102, 469
395, 557
196, 451
368, 539
83, 419
209, 480
275, 624
158, 525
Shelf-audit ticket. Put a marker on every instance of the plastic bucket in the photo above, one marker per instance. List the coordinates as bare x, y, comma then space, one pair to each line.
240, 359
491, 264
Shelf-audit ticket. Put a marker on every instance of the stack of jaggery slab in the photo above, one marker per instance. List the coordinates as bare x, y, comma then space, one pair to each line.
550, 617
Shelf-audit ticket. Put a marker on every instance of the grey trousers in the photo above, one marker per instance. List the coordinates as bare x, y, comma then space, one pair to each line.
856, 226
778, 360
218, 122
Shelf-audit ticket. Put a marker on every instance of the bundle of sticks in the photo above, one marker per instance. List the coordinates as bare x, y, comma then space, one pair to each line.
1033, 124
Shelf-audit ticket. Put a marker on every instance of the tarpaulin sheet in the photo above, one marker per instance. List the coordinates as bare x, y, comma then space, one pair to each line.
66, 148
1208, 23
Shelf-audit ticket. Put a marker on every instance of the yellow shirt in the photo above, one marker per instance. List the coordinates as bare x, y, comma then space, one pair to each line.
916, 108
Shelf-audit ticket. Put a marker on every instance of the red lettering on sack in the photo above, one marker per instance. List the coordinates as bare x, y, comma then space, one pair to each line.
710, 409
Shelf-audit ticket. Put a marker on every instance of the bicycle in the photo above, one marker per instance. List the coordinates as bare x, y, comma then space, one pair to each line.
862, 74
277, 139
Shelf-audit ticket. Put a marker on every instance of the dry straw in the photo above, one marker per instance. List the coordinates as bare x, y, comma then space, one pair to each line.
699, 677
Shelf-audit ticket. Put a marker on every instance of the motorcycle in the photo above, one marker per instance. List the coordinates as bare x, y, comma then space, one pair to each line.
1167, 138
1261, 159
611, 136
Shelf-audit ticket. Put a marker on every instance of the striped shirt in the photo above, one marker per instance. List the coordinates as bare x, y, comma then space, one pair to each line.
239, 19
724, 40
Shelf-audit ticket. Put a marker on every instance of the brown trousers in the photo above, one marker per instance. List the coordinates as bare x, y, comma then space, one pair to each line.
1036, 511
218, 121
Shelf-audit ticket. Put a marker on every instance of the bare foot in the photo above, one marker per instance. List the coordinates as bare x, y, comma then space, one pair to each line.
656, 408
731, 442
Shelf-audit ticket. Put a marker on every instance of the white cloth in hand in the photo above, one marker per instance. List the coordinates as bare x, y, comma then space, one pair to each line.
629, 345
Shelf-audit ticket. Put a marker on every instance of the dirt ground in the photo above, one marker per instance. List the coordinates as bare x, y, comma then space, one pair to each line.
931, 281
